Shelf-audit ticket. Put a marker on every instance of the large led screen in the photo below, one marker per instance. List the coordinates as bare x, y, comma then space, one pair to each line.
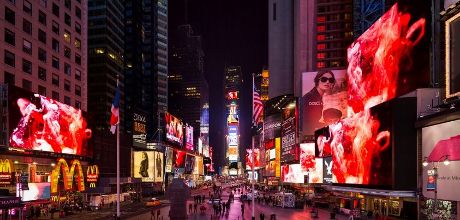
322, 144
144, 165
179, 159
324, 99
289, 146
37, 191
188, 137
439, 141
272, 127
139, 129
43, 124
293, 173
307, 156
169, 159
174, 130
198, 169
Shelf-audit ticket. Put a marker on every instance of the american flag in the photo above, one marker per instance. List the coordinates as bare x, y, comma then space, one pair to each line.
258, 110
114, 117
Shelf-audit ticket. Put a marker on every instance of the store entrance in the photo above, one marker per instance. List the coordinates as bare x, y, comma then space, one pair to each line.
386, 207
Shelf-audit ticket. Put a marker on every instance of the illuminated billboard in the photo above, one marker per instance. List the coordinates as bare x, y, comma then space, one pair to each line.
232, 117
252, 159
179, 159
37, 191
158, 167
139, 129
293, 173
324, 99
174, 130
307, 156
144, 165
43, 124
441, 142
189, 137
272, 127
189, 164
233, 95
198, 169
169, 159
289, 146
232, 153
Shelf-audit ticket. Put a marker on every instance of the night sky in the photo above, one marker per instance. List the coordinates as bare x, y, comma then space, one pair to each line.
234, 32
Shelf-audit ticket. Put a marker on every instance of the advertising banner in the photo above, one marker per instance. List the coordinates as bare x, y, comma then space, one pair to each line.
307, 156
144, 164
431, 182
322, 144
189, 164
232, 114
37, 191
289, 146
232, 153
169, 159
252, 158
438, 142
43, 124
293, 173
189, 137
139, 129
327, 170
272, 127
198, 166
174, 130
278, 157
324, 99
179, 159
159, 167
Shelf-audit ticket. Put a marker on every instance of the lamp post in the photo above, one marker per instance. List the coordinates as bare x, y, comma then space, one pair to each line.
435, 164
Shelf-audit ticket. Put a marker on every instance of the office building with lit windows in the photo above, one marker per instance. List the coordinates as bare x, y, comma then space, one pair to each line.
44, 48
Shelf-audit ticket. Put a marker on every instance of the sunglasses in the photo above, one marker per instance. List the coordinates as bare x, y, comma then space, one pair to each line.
325, 79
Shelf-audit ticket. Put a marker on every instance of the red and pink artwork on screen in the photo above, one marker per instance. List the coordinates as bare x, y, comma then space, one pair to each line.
49, 126
381, 67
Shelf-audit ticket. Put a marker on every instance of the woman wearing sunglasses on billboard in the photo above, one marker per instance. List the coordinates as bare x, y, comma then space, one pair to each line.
313, 101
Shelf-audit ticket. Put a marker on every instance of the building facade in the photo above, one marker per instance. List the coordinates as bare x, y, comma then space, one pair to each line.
232, 87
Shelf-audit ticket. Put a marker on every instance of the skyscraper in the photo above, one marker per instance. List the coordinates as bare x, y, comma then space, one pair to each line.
188, 89
232, 88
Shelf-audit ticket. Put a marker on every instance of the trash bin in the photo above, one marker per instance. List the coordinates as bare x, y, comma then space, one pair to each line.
332, 214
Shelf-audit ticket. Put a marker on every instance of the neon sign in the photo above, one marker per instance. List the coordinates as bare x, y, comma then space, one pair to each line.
68, 175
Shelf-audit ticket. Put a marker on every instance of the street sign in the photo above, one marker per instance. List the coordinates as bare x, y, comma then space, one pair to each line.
431, 181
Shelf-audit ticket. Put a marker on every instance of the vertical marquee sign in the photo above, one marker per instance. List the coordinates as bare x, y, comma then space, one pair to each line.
92, 175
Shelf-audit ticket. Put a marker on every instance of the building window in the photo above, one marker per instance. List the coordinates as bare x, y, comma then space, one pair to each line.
321, 55
67, 85
42, 17
321, 28
9, 37
78, 75
26, 46
56, 10
320, 64
9, 58
55, 79
67, 19
55, 27
321, 37
67, 69
66, 100
77, 43
10, 15
26, 26
9, 78
274, 11
42, 36
42, 90
55, 62
335, 64
78, 59
321, 46
67, 36
55, 95
42, 73
78, 12
77, 28
55, 45
44, 3
77, 90
67, 4
77, 104
348, 34
12, 1
67, 52
26, 66
27, 7
26, 84
42, 55
321, 19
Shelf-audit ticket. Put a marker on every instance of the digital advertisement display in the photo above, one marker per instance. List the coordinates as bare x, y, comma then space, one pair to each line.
373, 80
232, 114
179, 159
322, 144
293, 173
439, 141
272, 126
289, 146
232, 135
198, 169
139, 129
174, 130
158, 167
327, 170
189, 164
270, 168
233, 95
43, 124
169, 159
144, 165
37, 191
324, 99
252, 159
307, 156
188, 137
232, 153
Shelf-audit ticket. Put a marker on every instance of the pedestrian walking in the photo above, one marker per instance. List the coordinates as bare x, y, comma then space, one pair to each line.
262, 216
190, 208
158, 214
195, 207
242, 208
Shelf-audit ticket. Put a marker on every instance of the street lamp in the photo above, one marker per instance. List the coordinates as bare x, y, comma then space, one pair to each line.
435, 163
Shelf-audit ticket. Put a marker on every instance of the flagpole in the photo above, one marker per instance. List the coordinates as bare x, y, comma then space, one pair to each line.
252, 138
118, 162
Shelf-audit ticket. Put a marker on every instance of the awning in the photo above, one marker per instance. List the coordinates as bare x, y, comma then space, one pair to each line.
375, 192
